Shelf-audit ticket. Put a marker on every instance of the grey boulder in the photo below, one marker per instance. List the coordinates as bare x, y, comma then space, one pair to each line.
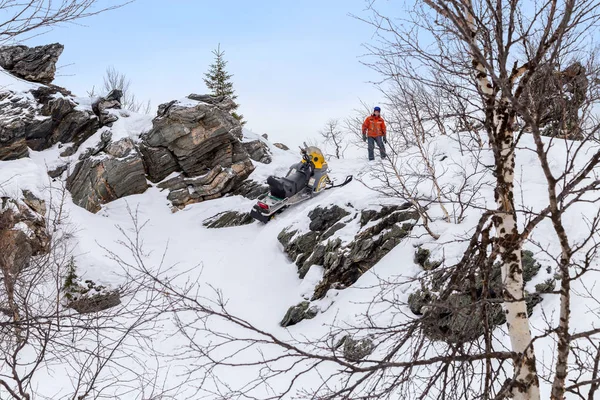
200, 141
298, 313
40, 122
35, 64
258, 151
107, 174
101, 106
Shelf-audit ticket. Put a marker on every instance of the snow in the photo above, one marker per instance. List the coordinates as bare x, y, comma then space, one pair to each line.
14, 84
247, 263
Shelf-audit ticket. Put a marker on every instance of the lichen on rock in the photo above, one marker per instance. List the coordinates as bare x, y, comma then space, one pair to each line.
228, 219
345, 261
459, 315
298, 313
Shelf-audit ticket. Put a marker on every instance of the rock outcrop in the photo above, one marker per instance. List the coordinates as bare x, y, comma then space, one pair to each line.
250, 189
227, 219
23, 235
458, 316
258, 151
375, 233
23, 227
101, 106
298, 313
355, 350
93, 303
200, 140
345, 263
281, 146
107, 172
35, 64
40, 120
197, 139
87, 296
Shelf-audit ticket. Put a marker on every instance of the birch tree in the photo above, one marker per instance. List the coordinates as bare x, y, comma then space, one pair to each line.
476, 61
500, 46
500, 119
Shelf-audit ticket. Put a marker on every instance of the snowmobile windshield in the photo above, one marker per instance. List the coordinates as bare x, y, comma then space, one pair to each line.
316, 156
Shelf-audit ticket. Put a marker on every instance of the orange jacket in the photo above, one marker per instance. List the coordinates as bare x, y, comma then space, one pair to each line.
374, 126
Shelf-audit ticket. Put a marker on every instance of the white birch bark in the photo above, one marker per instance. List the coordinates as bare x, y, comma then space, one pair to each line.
526, 380
526, 385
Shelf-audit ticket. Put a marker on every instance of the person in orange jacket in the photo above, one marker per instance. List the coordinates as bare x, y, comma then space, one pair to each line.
375, 131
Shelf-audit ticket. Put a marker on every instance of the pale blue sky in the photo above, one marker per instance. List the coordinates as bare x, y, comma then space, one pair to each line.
296, 63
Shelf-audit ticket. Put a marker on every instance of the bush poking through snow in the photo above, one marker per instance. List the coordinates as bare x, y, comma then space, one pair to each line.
88, 297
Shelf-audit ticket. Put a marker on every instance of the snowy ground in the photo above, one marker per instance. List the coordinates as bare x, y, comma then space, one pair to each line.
247, 263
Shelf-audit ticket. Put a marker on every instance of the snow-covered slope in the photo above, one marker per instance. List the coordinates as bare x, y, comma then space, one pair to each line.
247, 264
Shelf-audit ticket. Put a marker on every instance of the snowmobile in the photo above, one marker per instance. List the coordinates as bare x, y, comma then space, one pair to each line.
303, 181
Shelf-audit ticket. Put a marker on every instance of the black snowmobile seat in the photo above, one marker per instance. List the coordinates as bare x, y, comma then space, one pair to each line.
290, 185
276, 186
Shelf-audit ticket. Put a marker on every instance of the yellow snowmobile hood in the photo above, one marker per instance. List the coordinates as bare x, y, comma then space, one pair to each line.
316, 156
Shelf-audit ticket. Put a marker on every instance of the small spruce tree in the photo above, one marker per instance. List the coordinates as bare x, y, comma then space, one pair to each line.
70, 286
218, 80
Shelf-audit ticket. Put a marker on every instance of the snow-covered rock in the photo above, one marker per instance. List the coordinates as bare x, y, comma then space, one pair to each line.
195, 141
35, 64
258, 151
107, 173
23, 234
200, 141
39, 118
346, 242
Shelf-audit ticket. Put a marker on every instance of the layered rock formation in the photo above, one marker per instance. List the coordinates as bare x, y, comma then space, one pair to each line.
200, 139
375, 233
258, 151
228, 219
39, 119
345, 263
106, 173
23, 235
196, 142
35, 64
250, 189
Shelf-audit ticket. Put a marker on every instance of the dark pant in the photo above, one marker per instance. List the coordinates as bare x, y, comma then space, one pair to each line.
379, 141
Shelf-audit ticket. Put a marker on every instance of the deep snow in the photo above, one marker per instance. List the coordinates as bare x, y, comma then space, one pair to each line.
247, 263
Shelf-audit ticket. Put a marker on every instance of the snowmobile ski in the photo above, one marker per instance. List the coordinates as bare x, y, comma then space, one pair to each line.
346, 181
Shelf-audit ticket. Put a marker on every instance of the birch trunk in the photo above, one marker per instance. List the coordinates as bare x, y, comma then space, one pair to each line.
499, 122
526, 380
526, 386
558, 386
